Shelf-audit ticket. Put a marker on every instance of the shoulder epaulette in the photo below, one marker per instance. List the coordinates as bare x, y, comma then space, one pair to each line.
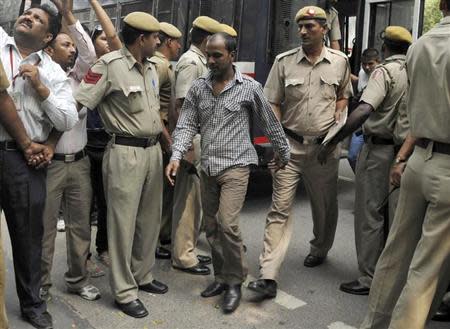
338, 52
113, 55
287, 53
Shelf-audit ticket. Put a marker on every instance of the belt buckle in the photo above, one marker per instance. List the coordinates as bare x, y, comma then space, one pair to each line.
10, 148
69, 158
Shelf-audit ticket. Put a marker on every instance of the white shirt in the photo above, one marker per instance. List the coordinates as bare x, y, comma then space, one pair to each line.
363, 79
75, 140
38, 117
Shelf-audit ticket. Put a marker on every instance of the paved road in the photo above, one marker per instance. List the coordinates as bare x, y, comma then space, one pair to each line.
309, 298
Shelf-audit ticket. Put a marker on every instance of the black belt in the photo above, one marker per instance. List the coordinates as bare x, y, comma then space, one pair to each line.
9, 146
137, 141
301, 139
68, 158
378, 140
438, 147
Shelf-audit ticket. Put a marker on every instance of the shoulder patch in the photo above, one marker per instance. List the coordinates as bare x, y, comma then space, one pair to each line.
109, 57
288, 53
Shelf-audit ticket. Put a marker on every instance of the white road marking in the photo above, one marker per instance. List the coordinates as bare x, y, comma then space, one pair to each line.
283, 299
340, 325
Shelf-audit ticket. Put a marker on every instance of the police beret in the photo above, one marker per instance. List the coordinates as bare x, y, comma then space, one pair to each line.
142, 21
207, 24
397, 34
310, 12
170, 30
228, 30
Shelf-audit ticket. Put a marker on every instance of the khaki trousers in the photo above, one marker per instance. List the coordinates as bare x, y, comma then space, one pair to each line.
70, 183
187, 213
372, 188
414, 265
3, 318
133, 188
321, 185
223, 197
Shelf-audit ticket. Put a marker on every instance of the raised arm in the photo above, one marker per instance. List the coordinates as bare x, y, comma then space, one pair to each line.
110, 31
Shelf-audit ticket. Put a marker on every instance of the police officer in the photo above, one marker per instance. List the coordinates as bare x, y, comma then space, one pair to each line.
414, 265
167, 51
313, 84
123, 86
229, 30
383, 108
187, 203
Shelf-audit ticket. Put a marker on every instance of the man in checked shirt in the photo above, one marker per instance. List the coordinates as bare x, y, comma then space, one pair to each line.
220, 104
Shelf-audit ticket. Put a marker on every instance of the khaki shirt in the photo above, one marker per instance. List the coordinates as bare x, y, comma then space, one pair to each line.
334, 27
4, 82
166, 77
125, 94
307, 93
428, 61
386, 92
190, 66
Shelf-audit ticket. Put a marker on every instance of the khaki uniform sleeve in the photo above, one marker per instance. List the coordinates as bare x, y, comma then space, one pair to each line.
345, 89
4, 82
185, 74
274, 88
94, 87
377, 88
335, 28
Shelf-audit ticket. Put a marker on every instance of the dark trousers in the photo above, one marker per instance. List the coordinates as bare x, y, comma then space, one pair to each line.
22, 198
98, 193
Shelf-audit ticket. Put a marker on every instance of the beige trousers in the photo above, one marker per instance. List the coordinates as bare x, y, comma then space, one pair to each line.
69, 183
372, 188
413, 268
321, 185
187, 213
223, 197
3, 318
133, 183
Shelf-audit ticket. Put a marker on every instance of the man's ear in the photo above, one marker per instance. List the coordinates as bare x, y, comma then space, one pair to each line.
48, 38
49, 50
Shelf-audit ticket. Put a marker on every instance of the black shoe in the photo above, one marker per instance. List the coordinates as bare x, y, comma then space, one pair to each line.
155, 287
214, 289
165, 241
355, 288
40, 321
204, 260
135, 309
162, 253
196, 270
231, 298
313, 261
268, 288
442, 314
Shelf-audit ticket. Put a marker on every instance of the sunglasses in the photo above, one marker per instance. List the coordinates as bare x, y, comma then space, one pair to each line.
97, 28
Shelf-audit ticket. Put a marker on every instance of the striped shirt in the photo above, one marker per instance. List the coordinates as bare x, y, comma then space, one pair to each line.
224, 124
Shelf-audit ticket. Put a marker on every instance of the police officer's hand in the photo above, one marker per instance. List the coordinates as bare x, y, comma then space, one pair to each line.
325, 151
396, 173
275, 164
171, 171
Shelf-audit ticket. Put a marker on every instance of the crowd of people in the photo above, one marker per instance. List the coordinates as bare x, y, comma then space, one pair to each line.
165, 153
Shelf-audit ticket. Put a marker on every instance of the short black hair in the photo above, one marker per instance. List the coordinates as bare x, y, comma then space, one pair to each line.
230, 42
130, 34
370, 54
198, 35
163, 37
397, 47
54, 19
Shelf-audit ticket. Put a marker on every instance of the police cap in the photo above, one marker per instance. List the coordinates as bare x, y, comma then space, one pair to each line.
228, 30
310, 12
397, 34
142, 21
207, 24
170, 30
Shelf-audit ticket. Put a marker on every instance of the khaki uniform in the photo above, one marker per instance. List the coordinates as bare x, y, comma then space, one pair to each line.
4, 84
187, 213
308, 94
126, 95
414, 266
386, 93
334, 33
166, 77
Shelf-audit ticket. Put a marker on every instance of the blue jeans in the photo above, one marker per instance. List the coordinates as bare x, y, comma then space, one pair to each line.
356, 144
